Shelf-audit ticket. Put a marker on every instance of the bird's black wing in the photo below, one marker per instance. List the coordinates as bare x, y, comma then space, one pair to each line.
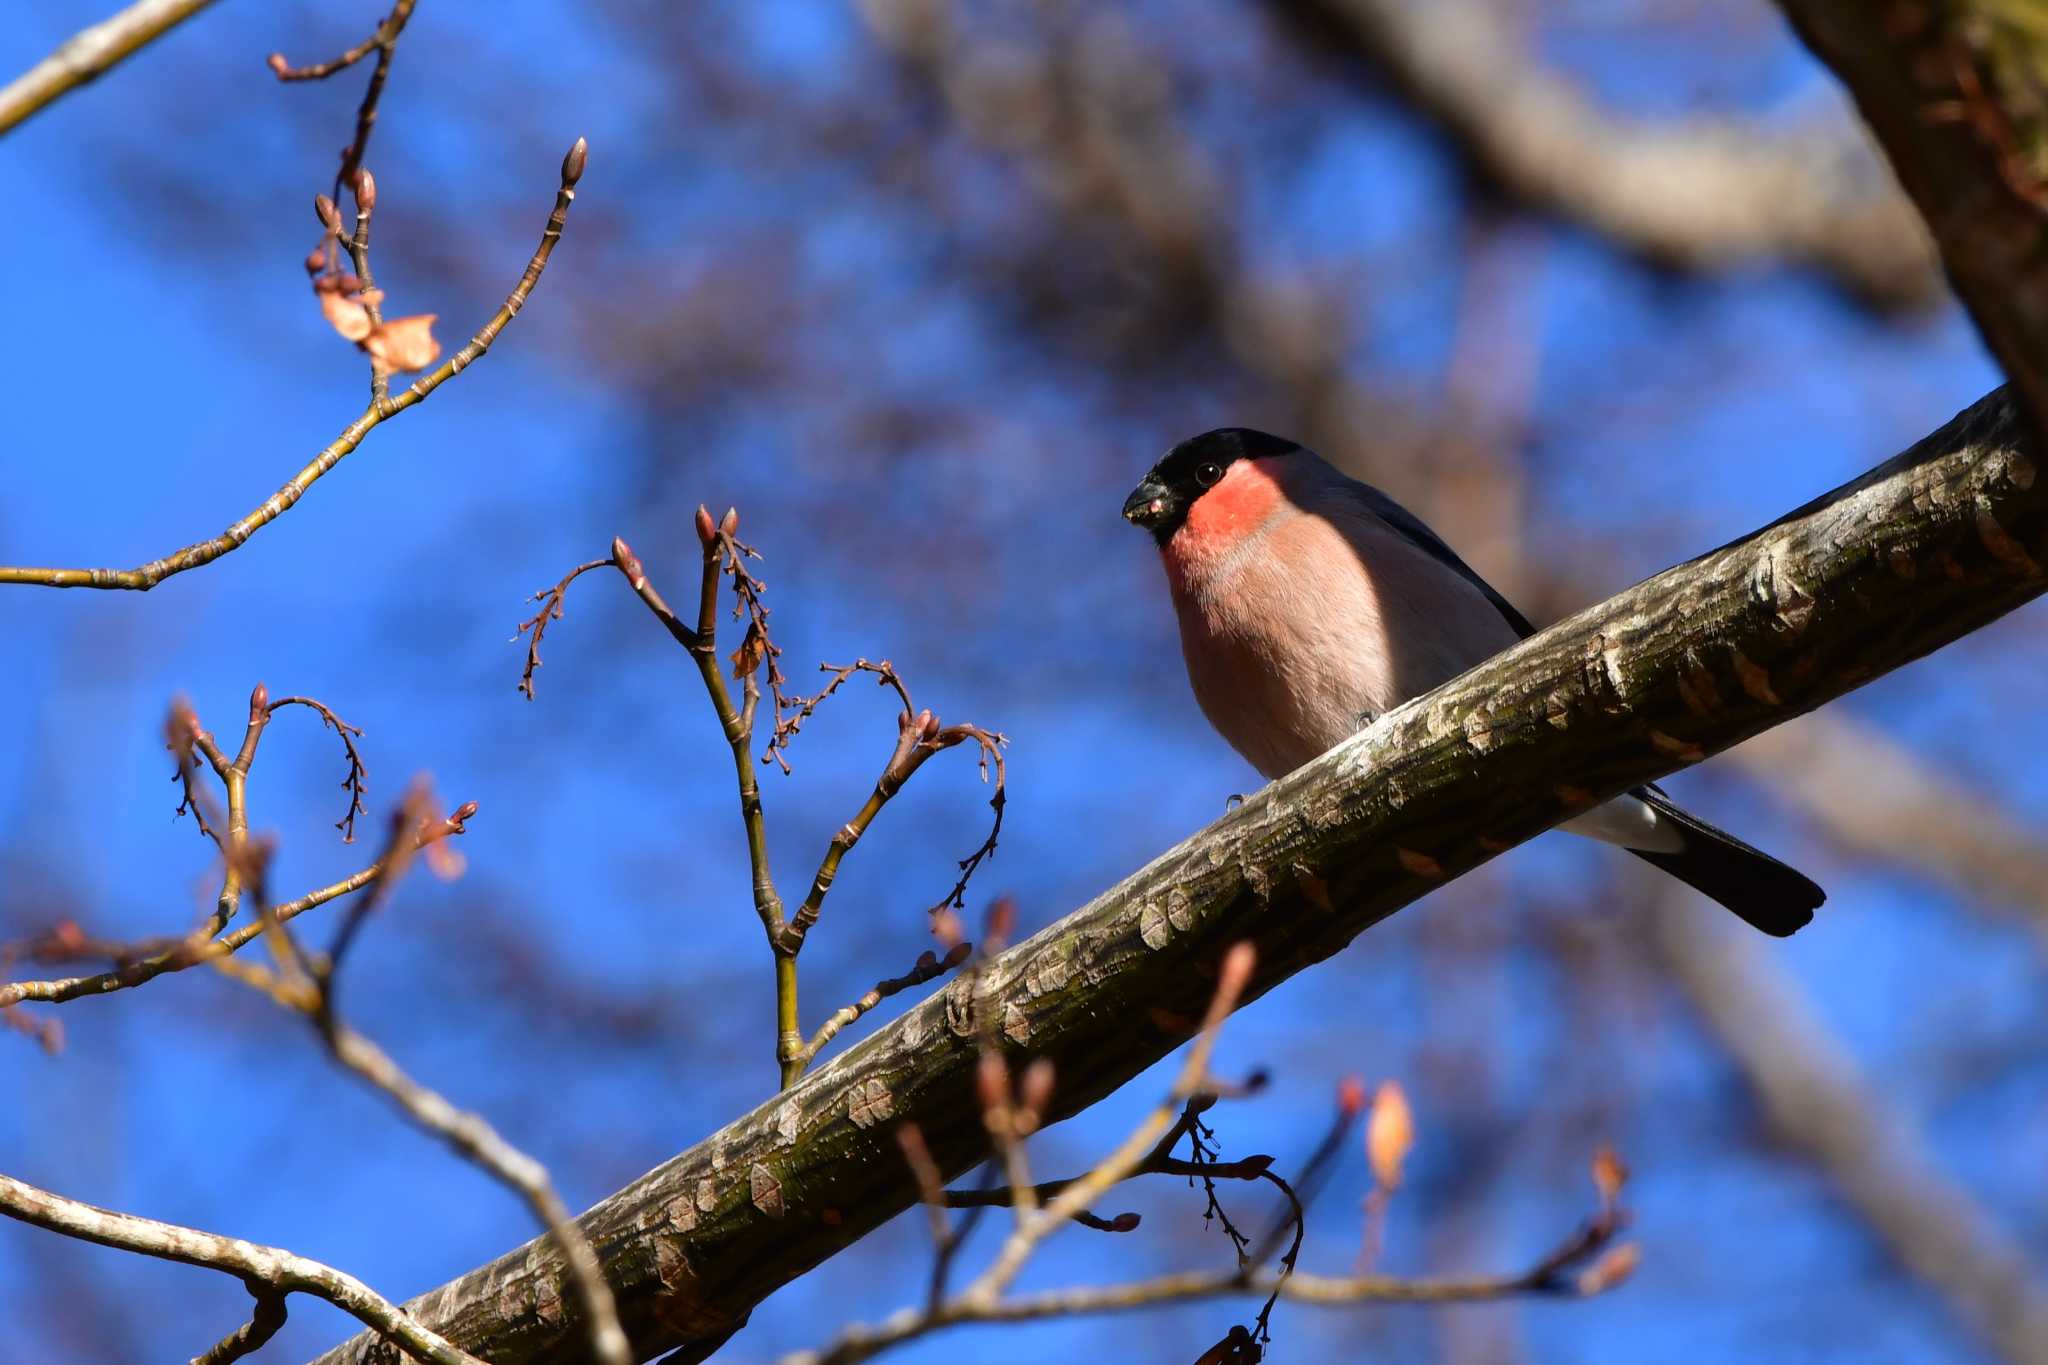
1430, 543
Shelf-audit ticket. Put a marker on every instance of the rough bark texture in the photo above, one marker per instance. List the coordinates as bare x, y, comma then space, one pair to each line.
1957, 91
1918, 552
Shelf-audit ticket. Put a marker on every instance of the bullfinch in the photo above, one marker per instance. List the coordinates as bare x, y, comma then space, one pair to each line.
1310, 603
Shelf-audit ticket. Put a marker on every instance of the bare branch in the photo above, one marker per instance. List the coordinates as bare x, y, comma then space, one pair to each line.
190, 952
354, 781
280, 1270
384, 42
147, 576
263, 1324
1952, 92
1698, 195
89, 53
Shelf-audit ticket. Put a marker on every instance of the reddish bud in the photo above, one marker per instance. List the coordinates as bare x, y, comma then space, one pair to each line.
1610, 1270
463, 813
573, 163
705, 529
992, 1083
928, 726
1002, 918
276, 62
1236, 972
316, 261
1389, 1134
1124, 1222
1610, 1173
1351, 1096
324, 210
259, 701
730, 523
1036, 1091
628, 562
365, 191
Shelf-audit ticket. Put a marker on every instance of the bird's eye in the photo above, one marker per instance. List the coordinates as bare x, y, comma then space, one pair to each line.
1208, 474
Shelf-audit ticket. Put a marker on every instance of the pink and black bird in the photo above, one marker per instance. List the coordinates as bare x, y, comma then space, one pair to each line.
1310, 603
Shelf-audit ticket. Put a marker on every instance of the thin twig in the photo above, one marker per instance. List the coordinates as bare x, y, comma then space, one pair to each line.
263, 1324
275, 1267
551, 609
190, 952
354, 782
720, 545
929, 966
146, 576
467, 1132
384, 42
91, 52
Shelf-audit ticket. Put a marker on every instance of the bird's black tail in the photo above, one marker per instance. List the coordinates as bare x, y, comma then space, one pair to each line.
1756, 886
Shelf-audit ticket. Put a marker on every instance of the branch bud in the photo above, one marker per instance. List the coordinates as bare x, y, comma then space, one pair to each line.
1036, 1091
463, 813
259, 702
316, 261
706, 530
1236, 973
1002, 918
324, 210
276, 62
731, 522
1351, 1096
1124, 1222
365, 191
573, 163
992, 1084
628, 562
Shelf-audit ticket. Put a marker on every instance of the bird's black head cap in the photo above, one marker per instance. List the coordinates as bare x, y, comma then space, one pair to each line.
1162, 498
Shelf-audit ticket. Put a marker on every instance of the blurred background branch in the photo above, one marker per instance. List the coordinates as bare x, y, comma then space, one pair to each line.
90, 53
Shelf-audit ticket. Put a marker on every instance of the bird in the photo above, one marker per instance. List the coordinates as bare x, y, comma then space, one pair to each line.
1310, 603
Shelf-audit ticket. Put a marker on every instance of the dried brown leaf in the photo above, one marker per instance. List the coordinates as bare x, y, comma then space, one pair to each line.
404, 344
345, 313
746, 660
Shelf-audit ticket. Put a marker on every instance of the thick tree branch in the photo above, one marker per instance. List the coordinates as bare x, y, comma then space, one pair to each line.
89, 53
1704, 194
1924, 549
1954, 90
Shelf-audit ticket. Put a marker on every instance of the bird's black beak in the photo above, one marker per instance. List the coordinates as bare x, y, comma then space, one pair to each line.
1151, 504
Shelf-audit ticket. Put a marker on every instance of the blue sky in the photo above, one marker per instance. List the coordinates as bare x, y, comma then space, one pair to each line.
595, 984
